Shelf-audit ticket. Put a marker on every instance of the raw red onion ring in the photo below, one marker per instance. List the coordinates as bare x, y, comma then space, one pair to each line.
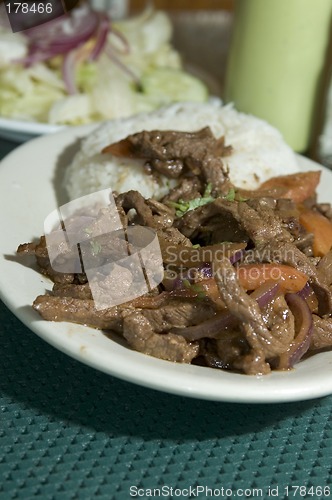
212, 327
68, 72
101, 37
301, 343
67, 31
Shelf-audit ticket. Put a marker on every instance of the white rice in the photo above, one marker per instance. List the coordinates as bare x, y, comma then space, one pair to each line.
259, 150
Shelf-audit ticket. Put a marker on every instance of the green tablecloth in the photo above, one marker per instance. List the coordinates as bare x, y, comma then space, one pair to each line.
70, 432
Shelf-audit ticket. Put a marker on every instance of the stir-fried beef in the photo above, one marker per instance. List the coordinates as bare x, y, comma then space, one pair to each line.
39, 250
280, 321
269, 224
209, 218
288, 253
178, 313
324, 209
80, 311
73, 291
246, 309
227, 352
189, 188
254, 219
148, 330
139, 333
173, 236
324, 266
207, 309
150, 213
175, 154
322, 333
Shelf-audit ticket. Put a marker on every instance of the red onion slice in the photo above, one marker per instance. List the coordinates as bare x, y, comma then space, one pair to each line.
265, 293
68, 72
208, 329
177, 283
33, 57
237, 256
114, 58
204, 270
123, 40
61, 35
304, 323
68, 30
305, 292
102, 34
214, 326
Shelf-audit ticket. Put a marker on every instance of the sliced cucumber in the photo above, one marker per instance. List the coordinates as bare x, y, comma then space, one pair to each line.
169, 85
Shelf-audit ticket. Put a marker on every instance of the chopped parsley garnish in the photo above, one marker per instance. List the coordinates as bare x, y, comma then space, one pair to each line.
196, 288
182, 207
96, 247
230, 196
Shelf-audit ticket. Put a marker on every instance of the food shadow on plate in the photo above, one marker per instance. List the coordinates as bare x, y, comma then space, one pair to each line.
28, 261
29, 313
62, 164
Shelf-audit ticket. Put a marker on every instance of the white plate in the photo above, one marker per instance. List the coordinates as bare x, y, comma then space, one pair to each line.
21, 131
28, 177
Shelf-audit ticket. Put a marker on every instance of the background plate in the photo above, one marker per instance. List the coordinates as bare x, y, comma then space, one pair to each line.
21, 131
202, 38
30, 177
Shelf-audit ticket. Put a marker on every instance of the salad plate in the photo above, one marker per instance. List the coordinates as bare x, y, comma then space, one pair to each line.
148, 44
30, 188
22, 131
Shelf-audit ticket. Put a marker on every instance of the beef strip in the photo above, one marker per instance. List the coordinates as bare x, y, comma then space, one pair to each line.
80, 311
269, 223
74, 291
208, 218
258, 222
148, 330
178, 314
322, 333
280, 320
174, 153
189, 188
39, 250
304, 242
149, 213
289, 214
289, 254
325, 266
223, 353
273, 242
139, 333
172, 236
36, 249
325, 209
246, 309
232, 352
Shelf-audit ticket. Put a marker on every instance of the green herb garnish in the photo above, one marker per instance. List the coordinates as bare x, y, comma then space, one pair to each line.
196, 288
96, 247
182, 207
230, 196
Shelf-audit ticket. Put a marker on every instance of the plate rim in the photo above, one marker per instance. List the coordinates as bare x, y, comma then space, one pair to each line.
155, 373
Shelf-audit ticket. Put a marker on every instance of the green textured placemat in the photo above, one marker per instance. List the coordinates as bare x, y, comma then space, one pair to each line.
70, 432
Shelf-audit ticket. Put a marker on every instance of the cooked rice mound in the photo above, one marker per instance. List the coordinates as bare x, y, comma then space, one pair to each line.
259, 151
